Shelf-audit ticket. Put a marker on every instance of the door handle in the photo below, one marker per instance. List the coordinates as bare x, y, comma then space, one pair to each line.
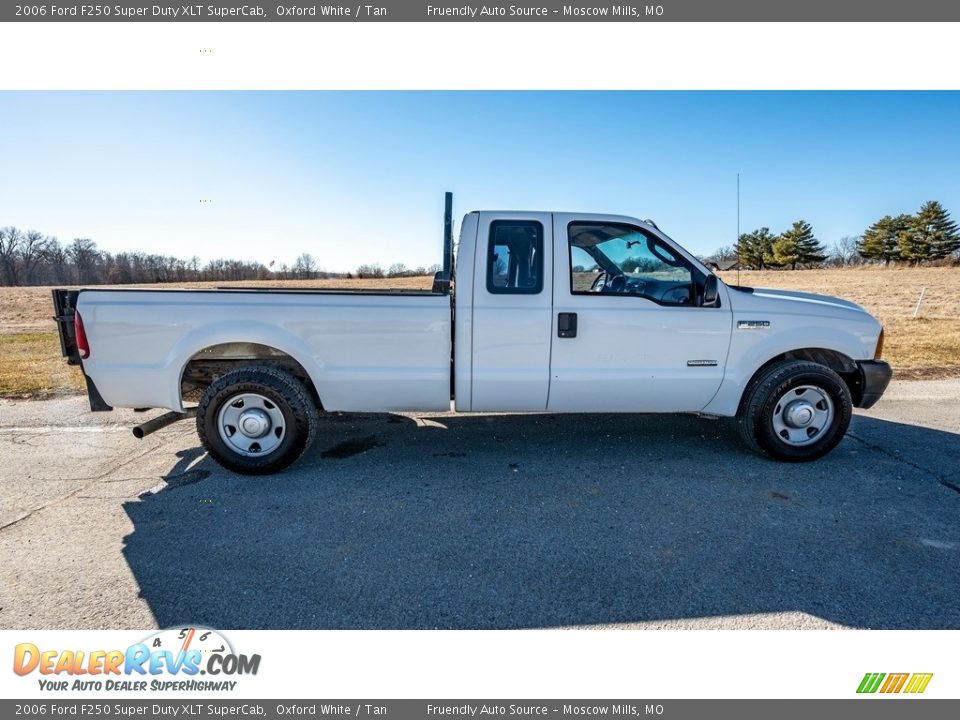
567, 325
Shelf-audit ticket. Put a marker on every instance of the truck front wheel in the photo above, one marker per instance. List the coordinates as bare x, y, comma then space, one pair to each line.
795, 410
256, 420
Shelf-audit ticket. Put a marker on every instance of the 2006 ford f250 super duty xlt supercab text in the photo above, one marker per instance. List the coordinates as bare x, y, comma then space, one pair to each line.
546, 312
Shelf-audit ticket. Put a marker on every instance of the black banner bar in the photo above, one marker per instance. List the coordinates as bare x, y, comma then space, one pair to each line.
527, 11
868, 708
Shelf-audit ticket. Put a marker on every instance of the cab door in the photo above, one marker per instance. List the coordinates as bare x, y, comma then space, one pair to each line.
627, 333
512, 312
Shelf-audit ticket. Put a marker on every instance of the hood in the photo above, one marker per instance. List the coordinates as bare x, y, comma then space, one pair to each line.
808, 298
811, 300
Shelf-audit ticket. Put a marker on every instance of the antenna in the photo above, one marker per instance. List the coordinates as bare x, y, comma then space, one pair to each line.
737, 245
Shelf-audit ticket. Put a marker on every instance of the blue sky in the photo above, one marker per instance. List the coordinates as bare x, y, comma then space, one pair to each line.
355, 177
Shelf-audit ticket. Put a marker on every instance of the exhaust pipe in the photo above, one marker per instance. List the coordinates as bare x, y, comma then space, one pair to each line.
151, 426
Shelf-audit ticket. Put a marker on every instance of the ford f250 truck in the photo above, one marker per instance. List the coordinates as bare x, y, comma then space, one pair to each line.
541, 312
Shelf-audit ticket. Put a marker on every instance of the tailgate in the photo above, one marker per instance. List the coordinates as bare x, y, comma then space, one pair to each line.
64, 307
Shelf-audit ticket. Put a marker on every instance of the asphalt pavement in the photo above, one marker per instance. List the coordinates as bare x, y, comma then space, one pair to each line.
470, 521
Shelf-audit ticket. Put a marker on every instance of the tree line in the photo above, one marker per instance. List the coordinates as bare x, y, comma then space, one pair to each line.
32, 258
929, 235
375, 270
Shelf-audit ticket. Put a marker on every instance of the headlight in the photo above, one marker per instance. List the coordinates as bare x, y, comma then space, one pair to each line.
879, 350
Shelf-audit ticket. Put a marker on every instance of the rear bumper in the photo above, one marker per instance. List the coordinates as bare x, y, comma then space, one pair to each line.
874, 377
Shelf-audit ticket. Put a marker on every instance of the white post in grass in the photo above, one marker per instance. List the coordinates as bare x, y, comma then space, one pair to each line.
916, 310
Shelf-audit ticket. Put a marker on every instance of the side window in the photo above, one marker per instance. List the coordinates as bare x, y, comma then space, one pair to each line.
625, 260
515, 257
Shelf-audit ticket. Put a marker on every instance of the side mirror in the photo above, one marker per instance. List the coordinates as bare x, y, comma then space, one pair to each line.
711, 292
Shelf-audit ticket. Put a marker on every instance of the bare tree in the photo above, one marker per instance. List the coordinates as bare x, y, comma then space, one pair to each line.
845, 250
10, 239
397, 270
370, 271
305, 266
117, 271
83, 252
33, 248
723, 254
57, 262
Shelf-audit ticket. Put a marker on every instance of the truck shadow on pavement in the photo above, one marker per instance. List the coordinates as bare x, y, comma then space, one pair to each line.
545, 521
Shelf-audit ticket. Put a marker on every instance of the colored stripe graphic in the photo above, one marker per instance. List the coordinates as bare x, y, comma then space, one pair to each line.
918, 683
894, 683
870, 682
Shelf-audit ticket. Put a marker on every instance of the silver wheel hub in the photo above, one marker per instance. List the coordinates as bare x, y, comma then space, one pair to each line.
254, 423
799, 414
251, 424
802, 415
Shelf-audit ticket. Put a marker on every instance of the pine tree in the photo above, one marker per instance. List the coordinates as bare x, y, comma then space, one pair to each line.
810, 249
933, 232
785, 251
881, 241
744, 250
754, 249
798, 246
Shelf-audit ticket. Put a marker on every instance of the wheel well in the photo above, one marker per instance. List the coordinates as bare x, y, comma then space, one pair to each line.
841, 364
211, 363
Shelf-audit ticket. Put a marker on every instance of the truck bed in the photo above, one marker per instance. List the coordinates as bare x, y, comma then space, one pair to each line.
362, 349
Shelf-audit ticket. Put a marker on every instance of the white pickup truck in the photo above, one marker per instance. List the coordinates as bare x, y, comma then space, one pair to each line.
546, 312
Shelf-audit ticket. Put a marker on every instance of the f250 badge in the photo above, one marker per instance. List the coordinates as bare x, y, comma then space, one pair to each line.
752, 324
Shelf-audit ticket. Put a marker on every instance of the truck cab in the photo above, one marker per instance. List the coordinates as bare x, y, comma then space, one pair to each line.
560, 312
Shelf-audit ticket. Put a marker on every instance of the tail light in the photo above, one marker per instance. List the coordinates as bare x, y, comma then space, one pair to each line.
879, 350
83, 347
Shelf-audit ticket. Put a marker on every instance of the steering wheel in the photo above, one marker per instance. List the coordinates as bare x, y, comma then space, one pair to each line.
599, 282
618, 284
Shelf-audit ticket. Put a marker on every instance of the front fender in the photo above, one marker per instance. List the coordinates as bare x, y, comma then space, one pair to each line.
752, 347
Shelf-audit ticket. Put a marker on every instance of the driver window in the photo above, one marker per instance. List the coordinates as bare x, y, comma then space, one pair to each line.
624, 260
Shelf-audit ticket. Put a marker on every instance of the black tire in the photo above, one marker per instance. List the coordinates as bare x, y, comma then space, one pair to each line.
755, 418
284, 392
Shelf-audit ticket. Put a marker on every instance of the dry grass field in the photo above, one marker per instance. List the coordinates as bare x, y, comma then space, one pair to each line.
926, 347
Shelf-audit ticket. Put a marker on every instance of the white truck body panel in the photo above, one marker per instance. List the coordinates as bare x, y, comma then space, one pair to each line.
796, 320
364, 352
392, 351
632, 354
511, 333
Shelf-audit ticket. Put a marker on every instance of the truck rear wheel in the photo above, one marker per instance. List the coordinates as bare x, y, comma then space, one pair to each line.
795, 411
256, 420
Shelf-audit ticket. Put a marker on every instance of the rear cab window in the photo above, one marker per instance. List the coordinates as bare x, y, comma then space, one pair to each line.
515, 257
